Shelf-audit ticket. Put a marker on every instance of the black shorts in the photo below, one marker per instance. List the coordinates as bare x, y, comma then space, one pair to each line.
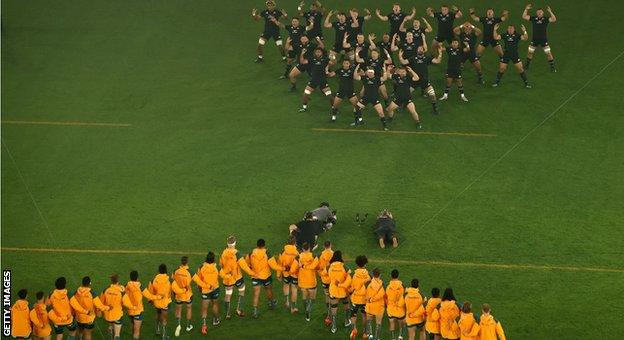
398, 318
239, 283
423, 83
510, 57
290, 280
211, 295
325, 285
417, 325
85, 325
188, 302
345, 94
137, 317
444, 36
471, 56
357, 307
267, 35
489, 42
70, 327
453, 73
292, 54
373, 101
320, 83
543, 42
402, 102
303, 67
385, 234
262, 282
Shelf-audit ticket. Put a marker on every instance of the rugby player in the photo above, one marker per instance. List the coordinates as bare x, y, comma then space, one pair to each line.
183, 291
420, 64
432, 324
325, 215
84, 308
453, 70
402, 94
313, 17
409, 46
359, 46
356, 21
232, 277
415, 311
159, 293
290, 283
207, 279
418, 32
258, 265
358, 294
39, 318
323, 265
539, 39
491, 329
377, 64
295, 32
468, 325
19, 318
318, 68
488, 22
385, 229
341, 28
395, 304
445, 19
308, 265
396, 19
449, 312
371, 82
340, 281
468, 34
385, 45
61, 312
271, 30
305, 51
375, 304
511, 39
110, 303
133, 301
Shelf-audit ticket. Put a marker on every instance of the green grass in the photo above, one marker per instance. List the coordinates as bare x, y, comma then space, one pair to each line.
216, 147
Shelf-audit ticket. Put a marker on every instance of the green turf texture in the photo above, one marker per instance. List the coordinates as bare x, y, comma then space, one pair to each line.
217, 147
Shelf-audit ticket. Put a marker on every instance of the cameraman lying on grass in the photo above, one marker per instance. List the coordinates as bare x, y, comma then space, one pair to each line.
385, 229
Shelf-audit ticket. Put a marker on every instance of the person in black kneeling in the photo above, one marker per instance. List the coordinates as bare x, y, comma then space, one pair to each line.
307, 230
385, 229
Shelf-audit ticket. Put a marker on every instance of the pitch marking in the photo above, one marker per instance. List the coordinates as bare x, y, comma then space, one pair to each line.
398, 132
40, 122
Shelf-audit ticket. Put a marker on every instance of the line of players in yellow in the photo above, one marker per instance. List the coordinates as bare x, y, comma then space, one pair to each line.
359, 291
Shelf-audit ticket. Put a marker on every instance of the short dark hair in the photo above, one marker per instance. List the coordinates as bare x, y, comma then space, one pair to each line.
435, 292
184, 260
376, 272
162, 269
86, 281
448, 295
361, 261
336, 257
39, 295
415, 282
291, 239
134, 275
305, 246
324, 204
260, 243
486, 308
467, 307
327, 244
114, 279
60, 283
210, 258
23, 293
308, 214
394, 274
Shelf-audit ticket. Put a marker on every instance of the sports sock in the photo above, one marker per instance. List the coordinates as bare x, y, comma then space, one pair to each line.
461, 89
369, 327
524, 77
204, 321
377, 329
179, 320
447, 90
287, 70
239, 303
499, 75
392, 334
227, 307
333, 318
528, 62
552, 63
334, 110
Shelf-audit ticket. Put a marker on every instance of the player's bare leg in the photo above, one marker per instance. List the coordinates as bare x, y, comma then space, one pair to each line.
430, 92
261, 43
280, 46
390, 109
502, 67
499, 50
412, 109
384, 93
292, 76
255, 301
293, 298
449, 82
136, 329
460, 87
520, 70
381, 115
480, 50
304, 107
477, 66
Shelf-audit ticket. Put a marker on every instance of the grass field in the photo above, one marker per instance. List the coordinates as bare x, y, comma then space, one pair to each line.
210, 144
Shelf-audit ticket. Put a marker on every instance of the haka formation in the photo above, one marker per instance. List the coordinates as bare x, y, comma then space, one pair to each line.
401, 57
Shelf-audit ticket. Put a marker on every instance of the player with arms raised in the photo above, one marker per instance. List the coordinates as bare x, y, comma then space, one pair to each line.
313, 17
341, 28
445, 19
540, 23
319, 65
371, 83
396, 19
488, 22
345, 87
402, 93
271, 30
468, 34
511, 39
453, 71
420, 64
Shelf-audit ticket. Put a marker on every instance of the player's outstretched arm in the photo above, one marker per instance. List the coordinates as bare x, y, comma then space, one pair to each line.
345, 44
327, 22
415, 76
300, 8
525, 35
412, 15
402, 26
310, 24
438, 58
371, 40
428, 29
393, 46
368, 15
457, 30
278, 23
458, 12
320, 43
388, 60
254, 14
284, 14
402, 60
504, 15
380, 16
358, 59
356, 73
424, 44
552, 17
477, 31
496, 35
473, 15
525, 14
430, 12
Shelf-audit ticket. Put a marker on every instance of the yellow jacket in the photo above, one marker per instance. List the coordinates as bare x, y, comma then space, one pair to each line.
323, 265
395, 299
230, 271
308, 264
286, 259
433, 316
133, 298
258, 264
181, 284
449, 312
339, 280
415, 310
61, 312
20, 319
111, 302
207, 277
159, 291
375, 297
358, 286
40, 321
491, 329
468, 326
83, 305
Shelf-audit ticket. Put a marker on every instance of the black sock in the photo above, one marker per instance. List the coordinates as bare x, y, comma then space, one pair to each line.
334, 110
383, 121
286, 70
448, 88
499, 75
552, 63
480, 75
524, 77
293, 85
528, 61
461, 89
